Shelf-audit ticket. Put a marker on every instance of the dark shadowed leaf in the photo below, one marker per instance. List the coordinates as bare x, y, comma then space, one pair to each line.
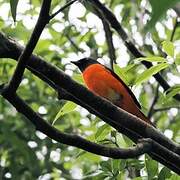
13, 4
164, 173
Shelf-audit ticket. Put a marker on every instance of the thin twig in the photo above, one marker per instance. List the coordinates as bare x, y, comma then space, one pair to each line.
61, 9
165, 108
74, 44
151, 110
174, 28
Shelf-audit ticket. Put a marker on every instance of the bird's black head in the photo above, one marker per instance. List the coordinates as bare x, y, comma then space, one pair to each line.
82, 64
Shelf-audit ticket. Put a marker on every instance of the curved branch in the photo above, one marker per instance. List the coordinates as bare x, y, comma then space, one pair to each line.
20, 68
122, 121
142, 147
131, 47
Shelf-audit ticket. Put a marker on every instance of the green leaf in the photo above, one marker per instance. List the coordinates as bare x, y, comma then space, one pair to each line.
137, 178
13, 4
67, 108
152, 59
177, 60
120, 73
127, 140
78, 78
172, 91
106, 166
168, 47
174, 177
164, 173
159, 8
149, 72
152, 167
102, 131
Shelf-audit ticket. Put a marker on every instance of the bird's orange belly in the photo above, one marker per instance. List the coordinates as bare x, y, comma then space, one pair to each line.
103, 88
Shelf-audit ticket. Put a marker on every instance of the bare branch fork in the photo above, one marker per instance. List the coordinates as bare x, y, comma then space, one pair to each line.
43, 20
164, 150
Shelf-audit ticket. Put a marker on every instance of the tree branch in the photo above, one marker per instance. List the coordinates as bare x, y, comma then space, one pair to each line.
143, 146
108, 34
129, 44
165, 109
165, 151
20, 68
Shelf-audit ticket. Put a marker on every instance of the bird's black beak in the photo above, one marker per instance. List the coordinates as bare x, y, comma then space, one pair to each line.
75, 63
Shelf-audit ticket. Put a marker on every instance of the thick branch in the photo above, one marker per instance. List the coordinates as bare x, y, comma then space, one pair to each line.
142, 147
131, 47
119, 119
20, 68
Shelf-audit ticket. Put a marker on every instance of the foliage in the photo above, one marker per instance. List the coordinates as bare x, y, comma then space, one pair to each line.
158, 10
25, 153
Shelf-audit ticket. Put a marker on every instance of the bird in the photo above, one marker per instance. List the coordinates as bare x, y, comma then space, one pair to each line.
102, 81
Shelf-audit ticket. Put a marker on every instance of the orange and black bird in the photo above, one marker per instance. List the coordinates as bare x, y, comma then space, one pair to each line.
104, 82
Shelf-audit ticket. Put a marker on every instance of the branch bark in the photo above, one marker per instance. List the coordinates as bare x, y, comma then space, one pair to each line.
20, 68
143, 146
164, 150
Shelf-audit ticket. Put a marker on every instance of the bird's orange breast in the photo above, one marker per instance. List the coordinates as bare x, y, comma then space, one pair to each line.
99, 80
103, 83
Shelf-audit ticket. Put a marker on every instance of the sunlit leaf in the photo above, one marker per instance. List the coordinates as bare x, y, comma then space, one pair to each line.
177, 59
102, 131
151, 166
149, 72
173, 177
67, 108
168, 47
152, 59
172, 91
120, 73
